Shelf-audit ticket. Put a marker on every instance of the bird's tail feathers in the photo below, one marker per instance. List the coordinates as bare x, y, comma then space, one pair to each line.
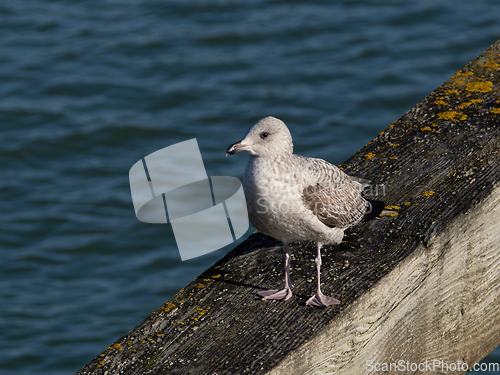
375, 209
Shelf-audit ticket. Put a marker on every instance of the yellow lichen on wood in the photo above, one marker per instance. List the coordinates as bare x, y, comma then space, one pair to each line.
428, 193
115, 346
200, 312
483, 86
393, 207
167, 307
492, 64
428, 129
213, 276
452, 115
441, 103
495, 110
370, 155
451, 92
470, 102
462, 74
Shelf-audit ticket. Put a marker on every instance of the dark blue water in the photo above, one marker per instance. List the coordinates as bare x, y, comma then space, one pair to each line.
87, 88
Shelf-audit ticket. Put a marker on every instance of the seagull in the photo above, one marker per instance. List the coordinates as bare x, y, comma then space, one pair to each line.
291, 198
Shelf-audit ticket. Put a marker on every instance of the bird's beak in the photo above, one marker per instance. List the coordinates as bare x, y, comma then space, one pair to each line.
235, 148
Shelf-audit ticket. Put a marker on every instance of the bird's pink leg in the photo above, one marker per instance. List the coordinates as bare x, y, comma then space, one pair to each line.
286, 292
319, 299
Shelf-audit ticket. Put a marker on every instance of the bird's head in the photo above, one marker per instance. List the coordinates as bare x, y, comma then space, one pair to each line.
267, 137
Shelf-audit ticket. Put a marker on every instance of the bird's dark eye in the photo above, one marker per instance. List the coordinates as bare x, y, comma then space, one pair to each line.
264, 135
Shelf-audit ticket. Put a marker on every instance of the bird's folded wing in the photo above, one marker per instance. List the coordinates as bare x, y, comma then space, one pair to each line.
331, 195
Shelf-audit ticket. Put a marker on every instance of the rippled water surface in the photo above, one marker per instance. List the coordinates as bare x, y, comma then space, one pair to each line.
87, 88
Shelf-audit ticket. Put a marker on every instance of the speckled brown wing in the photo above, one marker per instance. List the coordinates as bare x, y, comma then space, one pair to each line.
332, 197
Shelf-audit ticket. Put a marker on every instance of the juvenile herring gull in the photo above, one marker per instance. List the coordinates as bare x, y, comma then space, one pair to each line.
291, 197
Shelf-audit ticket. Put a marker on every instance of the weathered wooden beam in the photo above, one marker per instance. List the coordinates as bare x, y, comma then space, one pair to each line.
420, 286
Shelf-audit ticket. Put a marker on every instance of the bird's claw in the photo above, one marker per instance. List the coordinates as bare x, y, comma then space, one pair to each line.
320, 300
275, 294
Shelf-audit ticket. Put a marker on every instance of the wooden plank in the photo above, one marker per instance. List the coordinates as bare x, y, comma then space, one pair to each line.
418, 286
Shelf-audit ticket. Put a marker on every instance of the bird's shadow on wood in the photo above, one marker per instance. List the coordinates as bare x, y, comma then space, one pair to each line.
337, 254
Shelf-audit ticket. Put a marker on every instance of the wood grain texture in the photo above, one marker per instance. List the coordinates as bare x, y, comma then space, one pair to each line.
420, 285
